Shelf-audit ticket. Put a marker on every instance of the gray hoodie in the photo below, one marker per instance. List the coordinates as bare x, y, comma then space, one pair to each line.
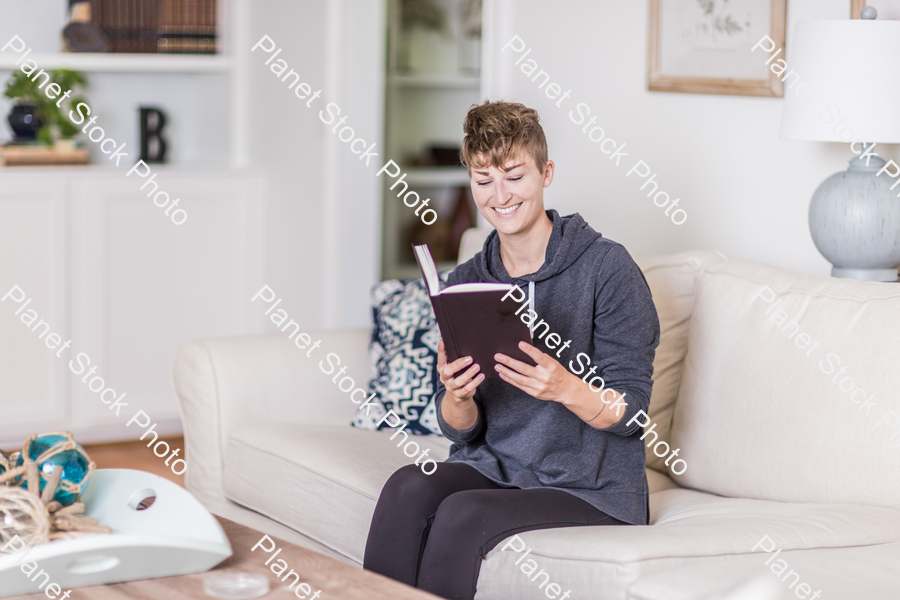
591, 292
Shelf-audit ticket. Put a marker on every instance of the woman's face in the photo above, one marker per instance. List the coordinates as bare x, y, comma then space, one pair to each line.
511, 198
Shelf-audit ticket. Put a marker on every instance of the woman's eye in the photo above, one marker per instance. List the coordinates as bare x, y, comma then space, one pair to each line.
483, 183
515, 178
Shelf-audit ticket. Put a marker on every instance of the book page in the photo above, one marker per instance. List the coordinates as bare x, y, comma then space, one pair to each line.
476, 287
428, 269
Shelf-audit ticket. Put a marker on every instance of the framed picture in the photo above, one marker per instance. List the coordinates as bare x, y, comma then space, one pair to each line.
704, 46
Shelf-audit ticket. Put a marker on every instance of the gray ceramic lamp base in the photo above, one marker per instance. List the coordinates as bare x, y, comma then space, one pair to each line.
886, 275
854, 220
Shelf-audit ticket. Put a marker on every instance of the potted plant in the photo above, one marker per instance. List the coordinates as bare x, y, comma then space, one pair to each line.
35, 116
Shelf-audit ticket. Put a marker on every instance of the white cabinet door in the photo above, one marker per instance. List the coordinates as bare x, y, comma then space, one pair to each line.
143, 285
33, 384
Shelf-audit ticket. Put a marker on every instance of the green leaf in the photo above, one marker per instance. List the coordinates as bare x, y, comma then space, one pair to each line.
74, 101
66, 129
43, 135
68, 79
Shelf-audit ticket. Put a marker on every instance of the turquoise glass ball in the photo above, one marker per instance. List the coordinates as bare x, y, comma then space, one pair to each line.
74, 465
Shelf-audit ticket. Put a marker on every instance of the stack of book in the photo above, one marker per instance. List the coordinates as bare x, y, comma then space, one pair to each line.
151, 26
187, 26
36, 154
130, 25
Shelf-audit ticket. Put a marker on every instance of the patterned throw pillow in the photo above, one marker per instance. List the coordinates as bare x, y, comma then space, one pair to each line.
403, 356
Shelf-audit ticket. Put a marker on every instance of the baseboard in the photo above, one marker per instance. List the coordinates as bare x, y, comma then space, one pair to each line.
99, 434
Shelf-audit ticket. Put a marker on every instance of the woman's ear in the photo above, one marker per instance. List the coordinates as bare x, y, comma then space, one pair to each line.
548, 173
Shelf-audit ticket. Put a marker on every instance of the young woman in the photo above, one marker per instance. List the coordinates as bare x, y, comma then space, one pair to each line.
542, 446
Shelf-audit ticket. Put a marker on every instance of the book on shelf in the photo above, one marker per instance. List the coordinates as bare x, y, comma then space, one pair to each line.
130, 25
157, 26
473, 318
187, 26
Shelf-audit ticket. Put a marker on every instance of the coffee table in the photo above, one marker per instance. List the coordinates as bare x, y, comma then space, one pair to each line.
337, 580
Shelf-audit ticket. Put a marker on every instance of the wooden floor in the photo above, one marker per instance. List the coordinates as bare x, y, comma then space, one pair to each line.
136, 455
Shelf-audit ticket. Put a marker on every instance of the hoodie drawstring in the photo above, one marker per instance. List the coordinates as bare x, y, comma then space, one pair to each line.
531, 307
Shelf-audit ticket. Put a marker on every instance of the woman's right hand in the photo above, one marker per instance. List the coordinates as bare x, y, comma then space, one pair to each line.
461, 388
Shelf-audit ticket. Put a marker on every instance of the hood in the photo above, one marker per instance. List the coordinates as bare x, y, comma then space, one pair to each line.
570, 237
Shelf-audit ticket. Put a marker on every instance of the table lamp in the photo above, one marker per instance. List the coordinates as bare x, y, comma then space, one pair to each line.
845, 87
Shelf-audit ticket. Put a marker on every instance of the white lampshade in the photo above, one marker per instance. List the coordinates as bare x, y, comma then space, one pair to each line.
856, 65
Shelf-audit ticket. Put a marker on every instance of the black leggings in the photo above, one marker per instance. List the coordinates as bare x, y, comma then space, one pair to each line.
432, 531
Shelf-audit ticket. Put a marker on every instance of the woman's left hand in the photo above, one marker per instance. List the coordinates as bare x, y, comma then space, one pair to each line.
549, 380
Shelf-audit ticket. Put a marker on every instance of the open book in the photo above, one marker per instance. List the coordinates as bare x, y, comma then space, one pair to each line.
474, 319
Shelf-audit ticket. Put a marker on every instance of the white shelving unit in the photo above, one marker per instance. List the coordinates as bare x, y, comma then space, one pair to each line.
452, 82
198, 92
102, 262
124, 63
422, 109
438, 177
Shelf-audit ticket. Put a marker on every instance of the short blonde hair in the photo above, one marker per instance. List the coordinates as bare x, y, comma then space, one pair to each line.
499, 131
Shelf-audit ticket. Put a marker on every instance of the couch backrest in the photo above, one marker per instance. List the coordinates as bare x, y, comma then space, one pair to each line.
471, 243
773, 399
672, 279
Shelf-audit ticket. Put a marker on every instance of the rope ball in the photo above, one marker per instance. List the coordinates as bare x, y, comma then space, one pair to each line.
40, 489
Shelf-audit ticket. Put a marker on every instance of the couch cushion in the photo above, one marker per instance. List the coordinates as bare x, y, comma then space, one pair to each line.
323, 480
403, 357
672, 279
688, 528
868, 572
758, 416
320, 480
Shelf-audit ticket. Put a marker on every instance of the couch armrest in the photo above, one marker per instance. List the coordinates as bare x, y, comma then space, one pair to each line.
224, 383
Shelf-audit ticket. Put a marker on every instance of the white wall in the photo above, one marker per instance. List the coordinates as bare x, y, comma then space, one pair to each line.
286, 142
745, 191
42, 21
353, 197
322, 235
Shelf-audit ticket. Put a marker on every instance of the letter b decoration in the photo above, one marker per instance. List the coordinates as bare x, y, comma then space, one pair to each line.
153, 146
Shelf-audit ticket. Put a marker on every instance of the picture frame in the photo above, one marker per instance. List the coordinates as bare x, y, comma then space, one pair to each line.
704, 46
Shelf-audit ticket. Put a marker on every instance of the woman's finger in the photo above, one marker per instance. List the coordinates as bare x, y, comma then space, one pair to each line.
513, 376
442, 355
470, 387
466, 377
538, 356
457, 365
516, 365
517, 380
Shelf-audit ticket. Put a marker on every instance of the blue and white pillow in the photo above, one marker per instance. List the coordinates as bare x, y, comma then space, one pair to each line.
403, 356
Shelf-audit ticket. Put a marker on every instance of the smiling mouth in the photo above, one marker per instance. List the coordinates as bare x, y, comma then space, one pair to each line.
506, 212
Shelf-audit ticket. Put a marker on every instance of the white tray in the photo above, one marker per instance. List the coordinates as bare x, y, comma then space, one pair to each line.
174, 536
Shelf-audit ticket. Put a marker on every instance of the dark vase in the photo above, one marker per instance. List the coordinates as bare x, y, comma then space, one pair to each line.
25, 122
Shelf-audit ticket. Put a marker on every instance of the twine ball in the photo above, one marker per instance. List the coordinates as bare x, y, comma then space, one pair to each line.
4, 462
22, 514
74, 462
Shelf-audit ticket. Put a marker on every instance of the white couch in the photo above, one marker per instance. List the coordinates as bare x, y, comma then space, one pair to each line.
773, 446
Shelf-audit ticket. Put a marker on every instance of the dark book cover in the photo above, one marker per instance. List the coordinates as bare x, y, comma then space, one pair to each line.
474, 319
129, 25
